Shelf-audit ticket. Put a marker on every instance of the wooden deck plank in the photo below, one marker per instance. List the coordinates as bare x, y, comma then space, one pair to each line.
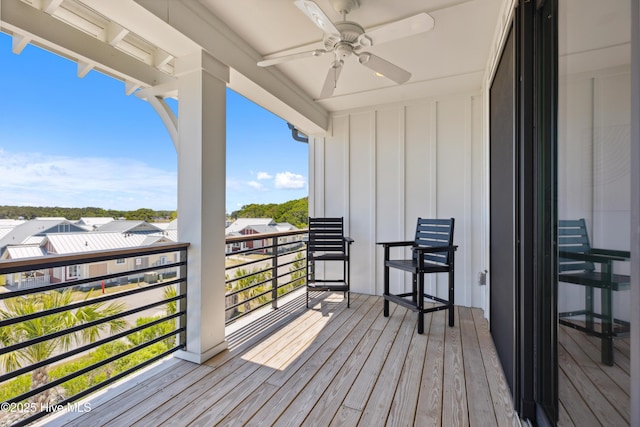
563, 417
576, 409
329, 365
478, 394
211, 403
217, 412
332, 398
360, 306
587, 375
620, 359
364, 383
162, 398
294, 379
266, 391
132, 397
429, 409
454, 401
404, 403
500, 393
602, 409
376, 411
618, 372
313, 391
346, 417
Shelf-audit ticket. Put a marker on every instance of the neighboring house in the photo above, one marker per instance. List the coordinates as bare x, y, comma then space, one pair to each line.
36, 228
28, 279
250, 226
125, 234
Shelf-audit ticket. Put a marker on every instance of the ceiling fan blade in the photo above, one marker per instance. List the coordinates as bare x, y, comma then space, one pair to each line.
415, 24
332, 79
384, 67
313, 11
285, 58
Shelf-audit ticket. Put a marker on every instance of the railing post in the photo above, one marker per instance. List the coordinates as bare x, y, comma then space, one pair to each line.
274, 275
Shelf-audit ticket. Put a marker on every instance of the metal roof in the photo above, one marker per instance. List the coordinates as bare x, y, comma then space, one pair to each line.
23, 251
70, 243
128, 226
242, 223
37, 227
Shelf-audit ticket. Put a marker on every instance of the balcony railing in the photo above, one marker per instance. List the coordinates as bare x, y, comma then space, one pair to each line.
70, 335
261, 268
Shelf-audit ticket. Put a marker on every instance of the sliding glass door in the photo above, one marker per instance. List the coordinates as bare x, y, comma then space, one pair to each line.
594, 211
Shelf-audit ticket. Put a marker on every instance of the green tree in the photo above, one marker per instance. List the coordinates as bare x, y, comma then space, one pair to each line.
295, 212
45, 325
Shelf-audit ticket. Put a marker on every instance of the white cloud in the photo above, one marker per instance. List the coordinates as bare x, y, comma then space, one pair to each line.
289, 181
256, 185
36, 179
264, 175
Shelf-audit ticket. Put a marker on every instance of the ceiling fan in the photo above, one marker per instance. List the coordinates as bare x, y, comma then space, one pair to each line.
347, 38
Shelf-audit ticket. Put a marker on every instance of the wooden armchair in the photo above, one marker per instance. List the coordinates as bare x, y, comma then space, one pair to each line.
432, 252
327, 242
576, 265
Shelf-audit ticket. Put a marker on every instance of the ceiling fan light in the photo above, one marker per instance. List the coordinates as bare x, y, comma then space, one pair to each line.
363, 58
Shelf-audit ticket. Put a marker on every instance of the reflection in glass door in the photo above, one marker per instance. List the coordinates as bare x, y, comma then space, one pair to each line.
594, 212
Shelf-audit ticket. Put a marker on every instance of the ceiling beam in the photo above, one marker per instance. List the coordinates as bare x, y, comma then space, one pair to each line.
286, 99
19, 42
52, 34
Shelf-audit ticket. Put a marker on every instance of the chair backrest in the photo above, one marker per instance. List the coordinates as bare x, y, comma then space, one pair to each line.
326, 235
435, 232
573, 237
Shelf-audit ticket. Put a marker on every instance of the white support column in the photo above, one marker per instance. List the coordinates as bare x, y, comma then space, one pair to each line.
201, 199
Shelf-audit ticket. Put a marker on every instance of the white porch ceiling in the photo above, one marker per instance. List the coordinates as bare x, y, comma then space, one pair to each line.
450, 58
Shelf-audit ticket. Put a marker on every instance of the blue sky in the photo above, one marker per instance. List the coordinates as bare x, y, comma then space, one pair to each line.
76, 142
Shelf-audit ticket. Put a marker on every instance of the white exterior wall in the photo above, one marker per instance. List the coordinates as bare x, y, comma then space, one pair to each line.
382, 168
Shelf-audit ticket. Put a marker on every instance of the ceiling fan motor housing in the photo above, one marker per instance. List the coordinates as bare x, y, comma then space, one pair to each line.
349, 33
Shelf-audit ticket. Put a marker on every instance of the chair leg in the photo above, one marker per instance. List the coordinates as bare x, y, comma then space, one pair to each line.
451, 298
588, 302
420, 303
414, 289
606, 344
347, 268
385, 309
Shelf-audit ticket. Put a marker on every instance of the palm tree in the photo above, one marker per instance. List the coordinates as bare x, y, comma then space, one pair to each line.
248, 281
45, 325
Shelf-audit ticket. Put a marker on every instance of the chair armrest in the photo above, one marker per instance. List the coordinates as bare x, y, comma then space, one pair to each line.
432, 249
399, 243
348, 239
599, 258
611, 253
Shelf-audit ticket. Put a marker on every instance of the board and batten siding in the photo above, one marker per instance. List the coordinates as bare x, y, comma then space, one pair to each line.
382, 168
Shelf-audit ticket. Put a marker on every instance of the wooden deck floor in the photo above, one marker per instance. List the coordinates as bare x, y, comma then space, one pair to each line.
329, 365
592, 394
